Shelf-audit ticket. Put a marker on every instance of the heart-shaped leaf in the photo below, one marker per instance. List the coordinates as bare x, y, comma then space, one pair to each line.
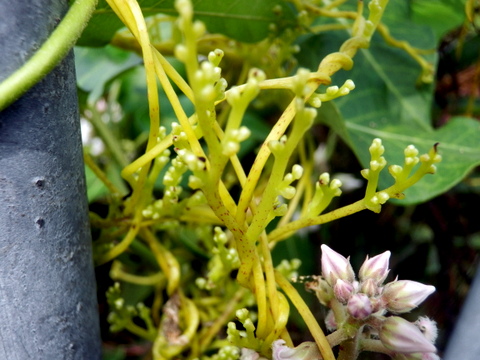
388, 104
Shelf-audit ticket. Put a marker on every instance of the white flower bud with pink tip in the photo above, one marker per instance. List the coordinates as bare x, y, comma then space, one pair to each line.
343, 290
404, 295
359, 306
401, 336
375, 268
335, 266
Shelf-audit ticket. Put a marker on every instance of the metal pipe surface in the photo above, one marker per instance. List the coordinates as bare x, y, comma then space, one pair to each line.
464, 343
48, 306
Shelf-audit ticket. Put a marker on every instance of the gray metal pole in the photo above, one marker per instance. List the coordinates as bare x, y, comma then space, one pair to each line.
48, 307
464, 343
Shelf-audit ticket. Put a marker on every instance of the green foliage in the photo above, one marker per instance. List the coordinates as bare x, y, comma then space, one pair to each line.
209, 154
441, 15
95, 67
396, 107
240, 20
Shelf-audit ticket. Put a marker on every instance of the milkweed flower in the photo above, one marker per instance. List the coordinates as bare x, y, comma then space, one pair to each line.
404, 295
399, 335
375, 268
359, 306
335, 266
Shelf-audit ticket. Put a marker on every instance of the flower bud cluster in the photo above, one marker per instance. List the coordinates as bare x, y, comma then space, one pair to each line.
243, 338
374, 200
179, 137
277, 146
233, 138
226, 352
120, 316
284, 188
172, 190
367, 301
325, 191
331, 93
208, 79
427, 161
224, 260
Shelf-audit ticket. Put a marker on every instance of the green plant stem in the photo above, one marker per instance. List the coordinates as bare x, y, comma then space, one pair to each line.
110, 140
50, 53
285, 231
307, 316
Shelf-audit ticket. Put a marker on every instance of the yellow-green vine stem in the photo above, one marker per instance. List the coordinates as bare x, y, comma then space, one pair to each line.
50, 53
307, 316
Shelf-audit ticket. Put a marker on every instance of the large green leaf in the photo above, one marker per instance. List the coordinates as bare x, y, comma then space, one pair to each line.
247, 21
95, 67
388, 104
441, 15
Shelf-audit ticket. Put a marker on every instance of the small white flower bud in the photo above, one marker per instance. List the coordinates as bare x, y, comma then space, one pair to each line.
404, 295
376, 149
199, 28
349, 84
242, 314
395, 170
181, 52
411, 161
335, 266
343, 291
375, 268
410, 151
401, 336
297, 171
324, 179
359, 306
288, 192
332, 90
335, 184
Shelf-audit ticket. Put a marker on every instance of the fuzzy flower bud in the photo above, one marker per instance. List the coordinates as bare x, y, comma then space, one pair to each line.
375, 268
399, 335
404, 295
428, 327
343, 290
335, 266
359, 306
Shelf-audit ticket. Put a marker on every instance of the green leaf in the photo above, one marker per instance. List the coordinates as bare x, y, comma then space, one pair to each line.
95, 187
441, 15
459, 145
246, 21
386, 103
95, 67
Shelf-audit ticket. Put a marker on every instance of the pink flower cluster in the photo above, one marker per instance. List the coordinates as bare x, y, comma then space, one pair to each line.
367, 303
